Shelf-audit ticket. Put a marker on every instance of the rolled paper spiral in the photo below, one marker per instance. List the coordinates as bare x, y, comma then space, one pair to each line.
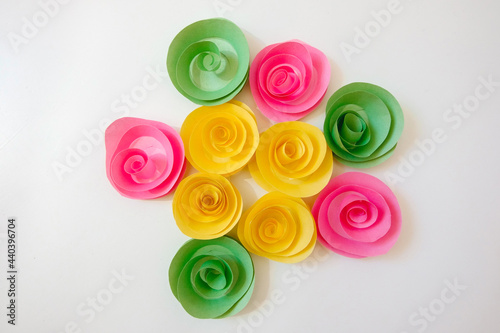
208, 61
206, 206
144, 158
220, 139
363, 124
292, 158
357, 216
278, 227
212, 278
288, 80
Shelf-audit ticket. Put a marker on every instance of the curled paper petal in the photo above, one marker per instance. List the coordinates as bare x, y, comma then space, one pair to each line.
144, 158
363, 124
278, 227
220, 139
212, 278
206, 206
357, 216
288, 80
292, 158
208, 61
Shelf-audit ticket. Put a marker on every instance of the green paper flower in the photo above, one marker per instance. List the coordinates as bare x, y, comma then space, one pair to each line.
208, 61
212, 278
363, 124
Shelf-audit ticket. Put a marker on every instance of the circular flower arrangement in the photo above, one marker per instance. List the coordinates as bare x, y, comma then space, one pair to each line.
144, 158
292, 158
208, 61
206, 206
357, 216
212, 278
278, 227
220, 139
288, 80
363, 124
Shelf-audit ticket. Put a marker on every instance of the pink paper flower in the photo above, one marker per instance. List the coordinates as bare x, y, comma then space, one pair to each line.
288, 80
144, 158
357, 216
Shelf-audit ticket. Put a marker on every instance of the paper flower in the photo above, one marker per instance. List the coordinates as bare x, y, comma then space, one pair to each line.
357, 216
292, 158
206, 206
363, 124
212, 278
144, 158
208, 61
220, 139
278, 227
288, 80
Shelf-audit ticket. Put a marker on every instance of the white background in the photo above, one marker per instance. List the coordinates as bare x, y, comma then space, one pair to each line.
76, 230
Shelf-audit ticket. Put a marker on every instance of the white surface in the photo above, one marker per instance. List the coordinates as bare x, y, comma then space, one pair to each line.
74, 232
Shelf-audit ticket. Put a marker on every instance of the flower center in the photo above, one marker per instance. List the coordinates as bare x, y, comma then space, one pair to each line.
134, 164
352, 128
212, 273
283, 81
209, 61
358, 215
210, 199
271, 230
220, 134
291, 150
137, 165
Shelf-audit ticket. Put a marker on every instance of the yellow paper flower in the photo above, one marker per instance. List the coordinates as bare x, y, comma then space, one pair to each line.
278, 227
220, 139
206, 206
292, 158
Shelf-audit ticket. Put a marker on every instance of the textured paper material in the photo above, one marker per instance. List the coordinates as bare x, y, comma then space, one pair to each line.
278, 227
288, 80
144, 158
206, 206
208, 61
220, 139
357, 216
292, 158
212, 278
363, 124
